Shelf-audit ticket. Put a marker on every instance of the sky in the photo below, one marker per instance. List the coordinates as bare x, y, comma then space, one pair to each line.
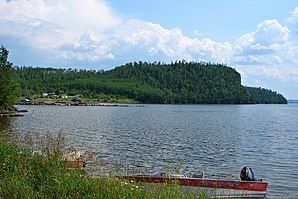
259, 38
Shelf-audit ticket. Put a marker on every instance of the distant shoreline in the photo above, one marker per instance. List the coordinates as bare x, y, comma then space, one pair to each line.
115, 104
69, 103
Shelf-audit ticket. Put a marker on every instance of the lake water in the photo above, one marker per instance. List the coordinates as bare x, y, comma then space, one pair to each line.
216, 139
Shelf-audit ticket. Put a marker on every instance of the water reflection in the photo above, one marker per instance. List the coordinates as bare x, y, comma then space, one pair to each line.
5, 127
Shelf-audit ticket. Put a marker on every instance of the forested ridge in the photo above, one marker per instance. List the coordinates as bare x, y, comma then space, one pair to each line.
177, 82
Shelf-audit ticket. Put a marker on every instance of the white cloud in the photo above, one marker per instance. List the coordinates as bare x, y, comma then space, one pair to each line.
268, 57
89, 32
293, 19
286, 74
268, 51
52, 23
171, 43
269, 37
110, 56
271, 32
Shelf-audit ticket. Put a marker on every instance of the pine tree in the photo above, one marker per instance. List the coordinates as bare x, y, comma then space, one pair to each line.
8, 86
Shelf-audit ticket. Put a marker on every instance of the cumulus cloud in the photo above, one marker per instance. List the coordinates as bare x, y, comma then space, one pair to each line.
269, 50
52, 24
89, 32
269, 38
171, 43
267, 57
293, 19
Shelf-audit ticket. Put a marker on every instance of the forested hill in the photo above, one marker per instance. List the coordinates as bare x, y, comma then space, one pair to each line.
178, 82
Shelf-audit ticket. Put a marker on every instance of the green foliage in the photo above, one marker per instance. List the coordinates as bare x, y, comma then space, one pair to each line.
178, 82
8, 85
26, 175
265, 96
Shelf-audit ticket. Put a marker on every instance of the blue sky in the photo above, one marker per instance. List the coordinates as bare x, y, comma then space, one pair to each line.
257, 37
216, 19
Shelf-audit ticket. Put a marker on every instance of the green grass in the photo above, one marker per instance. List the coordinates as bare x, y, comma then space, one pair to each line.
24, 174
100, 98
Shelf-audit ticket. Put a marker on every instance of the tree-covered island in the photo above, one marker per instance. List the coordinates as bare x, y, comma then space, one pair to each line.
178, 82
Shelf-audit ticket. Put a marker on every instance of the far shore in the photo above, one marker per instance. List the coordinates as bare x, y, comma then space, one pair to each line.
15, 112
71, 103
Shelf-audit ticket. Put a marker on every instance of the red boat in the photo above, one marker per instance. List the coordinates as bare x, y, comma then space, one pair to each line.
76, 164
247, 187
212, 187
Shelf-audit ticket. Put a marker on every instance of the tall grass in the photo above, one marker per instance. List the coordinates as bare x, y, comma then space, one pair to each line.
25, 173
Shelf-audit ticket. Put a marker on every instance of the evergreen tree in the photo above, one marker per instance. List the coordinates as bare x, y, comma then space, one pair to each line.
8, 86
178, 82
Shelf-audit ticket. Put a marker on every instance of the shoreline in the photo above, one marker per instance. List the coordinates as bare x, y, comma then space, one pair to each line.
68, 103
12, 112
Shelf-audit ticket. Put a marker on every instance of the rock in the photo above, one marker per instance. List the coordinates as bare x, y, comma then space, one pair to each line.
12, 112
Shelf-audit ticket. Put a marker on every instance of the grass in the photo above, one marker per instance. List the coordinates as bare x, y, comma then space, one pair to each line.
25, 174
100, 98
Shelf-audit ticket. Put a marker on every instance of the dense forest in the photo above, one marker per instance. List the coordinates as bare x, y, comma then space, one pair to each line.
178, 82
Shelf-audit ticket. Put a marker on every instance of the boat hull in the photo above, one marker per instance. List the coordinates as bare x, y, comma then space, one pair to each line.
211, 187
76, 164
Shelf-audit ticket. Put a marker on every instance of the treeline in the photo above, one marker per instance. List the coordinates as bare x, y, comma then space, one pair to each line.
178, 82
265, 96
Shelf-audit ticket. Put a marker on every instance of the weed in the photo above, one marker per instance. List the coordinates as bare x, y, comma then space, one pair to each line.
31, 171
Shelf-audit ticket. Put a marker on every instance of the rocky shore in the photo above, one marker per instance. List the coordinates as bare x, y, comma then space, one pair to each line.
12, 112
69, 103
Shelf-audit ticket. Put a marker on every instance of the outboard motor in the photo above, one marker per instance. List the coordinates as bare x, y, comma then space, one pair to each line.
247, 174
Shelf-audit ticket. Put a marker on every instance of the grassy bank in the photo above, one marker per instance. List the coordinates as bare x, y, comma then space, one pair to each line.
99, 98
24, 174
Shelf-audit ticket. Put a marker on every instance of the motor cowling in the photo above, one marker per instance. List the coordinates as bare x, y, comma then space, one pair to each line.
247, 174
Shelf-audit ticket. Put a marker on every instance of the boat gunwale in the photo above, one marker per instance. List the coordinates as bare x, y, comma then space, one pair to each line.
202, 182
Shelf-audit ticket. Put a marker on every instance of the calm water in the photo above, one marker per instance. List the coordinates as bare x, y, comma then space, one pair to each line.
216, 139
